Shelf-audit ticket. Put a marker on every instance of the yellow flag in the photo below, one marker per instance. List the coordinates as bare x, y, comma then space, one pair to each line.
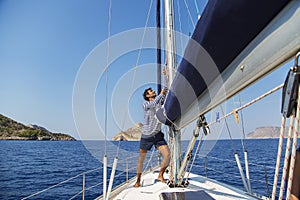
236, 116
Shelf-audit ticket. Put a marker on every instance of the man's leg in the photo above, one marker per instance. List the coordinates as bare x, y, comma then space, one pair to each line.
165, 151
139, 167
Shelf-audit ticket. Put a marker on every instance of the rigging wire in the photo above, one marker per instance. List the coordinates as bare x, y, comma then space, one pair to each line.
158, 44
106, 195
224, 117
228, 130
249, 103
197, 9
194, 158
180, 26
227, 115
242, 126
106, 72
135, 68
188, 9
244, 146
242, 118
235, 154
106, 102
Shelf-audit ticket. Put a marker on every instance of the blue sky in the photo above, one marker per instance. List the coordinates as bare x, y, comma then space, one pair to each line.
44, 44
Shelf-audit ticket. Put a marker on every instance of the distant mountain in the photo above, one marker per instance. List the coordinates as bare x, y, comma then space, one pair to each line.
132, 134
12, 130
267, 132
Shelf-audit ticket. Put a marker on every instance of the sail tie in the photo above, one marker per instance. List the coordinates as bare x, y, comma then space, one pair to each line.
236, 115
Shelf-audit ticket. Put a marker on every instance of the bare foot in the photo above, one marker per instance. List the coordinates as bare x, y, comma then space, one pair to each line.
137, 184
161, 179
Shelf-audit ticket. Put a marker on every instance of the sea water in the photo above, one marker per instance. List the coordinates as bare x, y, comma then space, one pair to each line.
57, 167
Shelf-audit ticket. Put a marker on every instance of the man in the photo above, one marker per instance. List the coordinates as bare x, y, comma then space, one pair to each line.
151, 134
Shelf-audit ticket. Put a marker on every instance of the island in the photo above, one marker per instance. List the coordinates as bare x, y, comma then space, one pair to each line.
132, 134
268, 132
12, 130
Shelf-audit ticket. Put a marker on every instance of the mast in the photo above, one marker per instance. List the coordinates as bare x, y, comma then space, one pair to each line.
174, 135
158, 43
170, 39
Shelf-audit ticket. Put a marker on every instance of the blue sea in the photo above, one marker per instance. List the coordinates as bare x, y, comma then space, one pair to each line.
54, 169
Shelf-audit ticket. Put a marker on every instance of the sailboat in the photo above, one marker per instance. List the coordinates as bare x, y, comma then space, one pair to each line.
234, 44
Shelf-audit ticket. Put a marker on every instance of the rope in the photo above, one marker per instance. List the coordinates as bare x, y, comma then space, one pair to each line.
225, 116
248, 104
278, 157
293, 156
286, 158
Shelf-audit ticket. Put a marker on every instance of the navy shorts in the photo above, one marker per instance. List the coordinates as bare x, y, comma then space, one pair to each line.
156, 140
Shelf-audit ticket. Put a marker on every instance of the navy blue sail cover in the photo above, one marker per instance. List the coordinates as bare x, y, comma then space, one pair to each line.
225, 28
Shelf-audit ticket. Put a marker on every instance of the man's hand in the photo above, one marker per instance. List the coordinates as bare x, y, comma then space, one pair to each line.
163, 92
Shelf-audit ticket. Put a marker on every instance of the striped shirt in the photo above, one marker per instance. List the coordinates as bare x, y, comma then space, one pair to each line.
151, 124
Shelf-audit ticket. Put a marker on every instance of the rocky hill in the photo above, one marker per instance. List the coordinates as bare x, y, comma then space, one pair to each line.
132, 134
12, 130
266, 132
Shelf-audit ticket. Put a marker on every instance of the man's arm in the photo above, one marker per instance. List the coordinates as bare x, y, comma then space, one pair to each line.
151, 104
166, 82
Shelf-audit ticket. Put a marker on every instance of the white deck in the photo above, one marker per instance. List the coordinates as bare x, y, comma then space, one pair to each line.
151, 189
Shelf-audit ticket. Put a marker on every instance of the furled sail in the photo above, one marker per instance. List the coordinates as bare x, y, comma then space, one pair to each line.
234, 44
